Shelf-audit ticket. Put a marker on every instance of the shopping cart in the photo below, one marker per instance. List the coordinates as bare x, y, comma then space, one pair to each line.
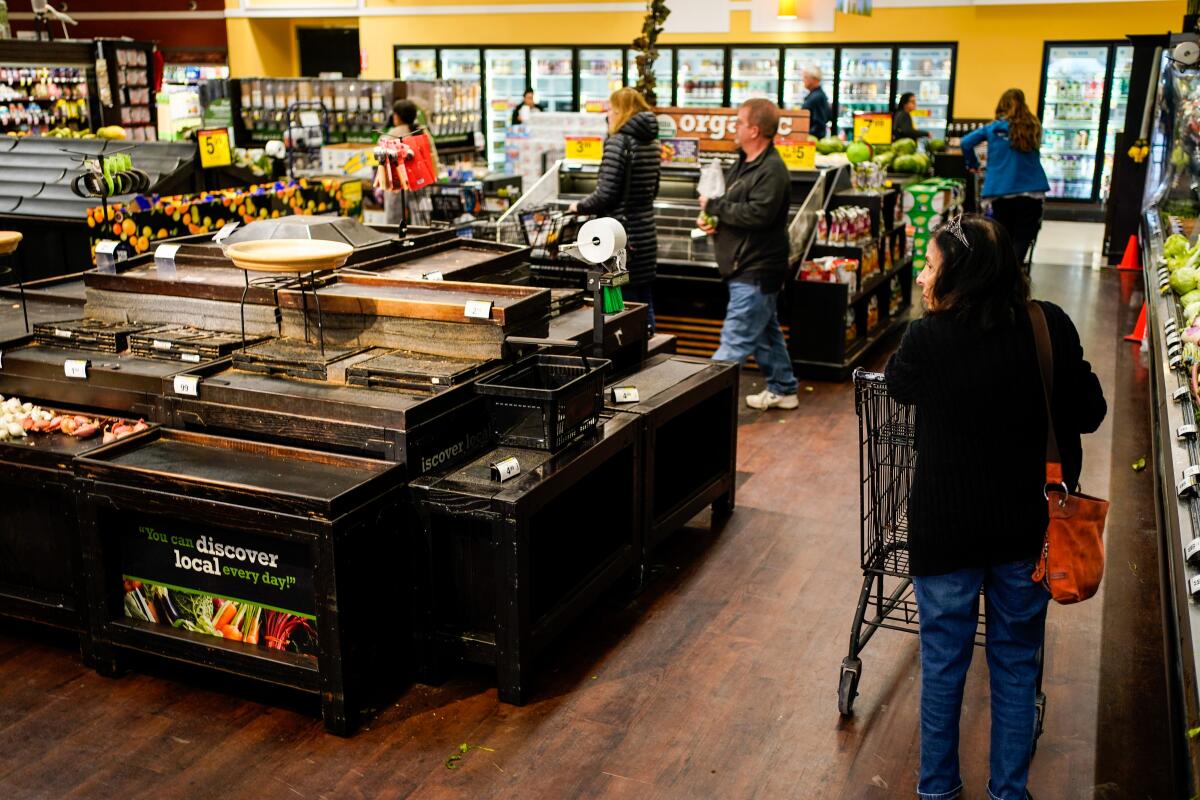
886, 457
548, 229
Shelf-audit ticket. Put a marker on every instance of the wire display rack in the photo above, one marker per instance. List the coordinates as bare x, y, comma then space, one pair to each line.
886, 461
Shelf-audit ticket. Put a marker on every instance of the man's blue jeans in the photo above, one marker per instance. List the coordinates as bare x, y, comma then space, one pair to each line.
751, 328
948, 608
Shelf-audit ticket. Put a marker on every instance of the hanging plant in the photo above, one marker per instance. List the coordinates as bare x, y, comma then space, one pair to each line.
647, 50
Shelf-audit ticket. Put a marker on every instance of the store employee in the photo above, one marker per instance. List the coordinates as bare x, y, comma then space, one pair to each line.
528, 106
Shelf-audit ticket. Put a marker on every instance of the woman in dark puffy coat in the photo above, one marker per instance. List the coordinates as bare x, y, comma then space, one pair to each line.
627, 186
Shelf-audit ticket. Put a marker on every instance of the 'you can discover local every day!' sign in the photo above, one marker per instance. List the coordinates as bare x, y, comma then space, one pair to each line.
251, 589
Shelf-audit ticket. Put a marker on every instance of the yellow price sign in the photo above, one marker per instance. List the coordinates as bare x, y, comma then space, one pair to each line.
585, 148
595, 106
798, 155
873, 128
214, 148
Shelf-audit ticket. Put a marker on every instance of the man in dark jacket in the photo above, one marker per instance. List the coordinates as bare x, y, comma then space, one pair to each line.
820, 113
626, 186
750, 222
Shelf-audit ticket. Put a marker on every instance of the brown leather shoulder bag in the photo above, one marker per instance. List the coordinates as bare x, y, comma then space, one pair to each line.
1072, 561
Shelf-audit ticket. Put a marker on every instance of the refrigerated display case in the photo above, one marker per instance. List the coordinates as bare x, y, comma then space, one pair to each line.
599, 75
416, 65
701, 77
754, 72
553, 78
1118, 97
795, 61
928, 74
1074, 91
460, 65
664, 73
506, 84
864, 84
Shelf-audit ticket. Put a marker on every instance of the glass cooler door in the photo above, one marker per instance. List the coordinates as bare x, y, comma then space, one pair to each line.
795, 60
754, 73
926, 73
1071, 110
553, 79
864, 84
701, 80
599, 75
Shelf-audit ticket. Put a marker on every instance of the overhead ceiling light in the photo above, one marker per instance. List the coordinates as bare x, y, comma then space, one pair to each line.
787, 9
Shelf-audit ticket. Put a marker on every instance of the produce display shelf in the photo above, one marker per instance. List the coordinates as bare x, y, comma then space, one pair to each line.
676, 397
174, 526
498, 579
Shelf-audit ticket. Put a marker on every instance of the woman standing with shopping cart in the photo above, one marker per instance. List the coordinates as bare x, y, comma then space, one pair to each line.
626, 188
977, 511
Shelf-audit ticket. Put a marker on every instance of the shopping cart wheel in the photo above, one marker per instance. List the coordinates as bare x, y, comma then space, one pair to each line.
1040, 703
848, 685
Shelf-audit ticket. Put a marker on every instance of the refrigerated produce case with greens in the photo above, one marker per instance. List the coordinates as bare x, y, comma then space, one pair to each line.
1169, 243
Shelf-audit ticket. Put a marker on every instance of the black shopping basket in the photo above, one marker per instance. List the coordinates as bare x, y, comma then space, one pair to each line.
886, 458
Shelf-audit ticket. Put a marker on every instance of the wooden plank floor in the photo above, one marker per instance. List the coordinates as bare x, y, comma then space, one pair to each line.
719, 681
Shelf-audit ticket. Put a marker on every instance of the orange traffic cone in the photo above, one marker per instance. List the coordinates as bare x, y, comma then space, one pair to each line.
1129, 262
1139, 328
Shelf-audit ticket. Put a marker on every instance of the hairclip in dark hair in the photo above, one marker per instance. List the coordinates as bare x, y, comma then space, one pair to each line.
954, 226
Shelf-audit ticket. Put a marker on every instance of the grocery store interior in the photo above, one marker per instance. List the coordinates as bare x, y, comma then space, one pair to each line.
354, 443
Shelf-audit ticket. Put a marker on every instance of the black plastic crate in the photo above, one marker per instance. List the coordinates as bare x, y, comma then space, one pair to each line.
544, 401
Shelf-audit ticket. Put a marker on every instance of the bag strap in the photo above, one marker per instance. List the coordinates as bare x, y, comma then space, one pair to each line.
1041, 338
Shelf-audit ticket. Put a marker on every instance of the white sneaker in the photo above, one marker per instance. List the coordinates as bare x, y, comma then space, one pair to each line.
768, 399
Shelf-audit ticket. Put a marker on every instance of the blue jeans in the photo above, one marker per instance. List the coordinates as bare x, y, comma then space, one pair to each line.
948, 608
751, 328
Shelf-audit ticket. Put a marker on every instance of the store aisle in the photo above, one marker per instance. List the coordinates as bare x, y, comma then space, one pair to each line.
719, 681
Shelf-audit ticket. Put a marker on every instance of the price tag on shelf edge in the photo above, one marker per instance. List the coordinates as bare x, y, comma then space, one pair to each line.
625, 394
187, 385
226, 229
214, 148
75, 368
585, 148
478, 309
433, 276
798, 155
1194, 584
873, 128
1192, 548
508, 468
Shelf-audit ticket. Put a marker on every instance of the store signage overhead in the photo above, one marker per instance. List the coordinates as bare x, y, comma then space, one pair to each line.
715, 127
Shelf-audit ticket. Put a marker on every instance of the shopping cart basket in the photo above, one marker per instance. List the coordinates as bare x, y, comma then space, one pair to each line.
548, 229
886, 457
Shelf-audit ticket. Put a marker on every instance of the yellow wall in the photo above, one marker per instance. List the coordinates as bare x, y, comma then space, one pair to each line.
998, 46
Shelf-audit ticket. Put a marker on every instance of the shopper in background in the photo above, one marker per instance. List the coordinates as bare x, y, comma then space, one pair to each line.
528, 106
977, 514
1015, 183
750, 222
820, 113
407, 119
902, 124
626, 187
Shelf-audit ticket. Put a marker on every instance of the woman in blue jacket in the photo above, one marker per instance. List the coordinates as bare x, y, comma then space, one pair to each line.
1015, 183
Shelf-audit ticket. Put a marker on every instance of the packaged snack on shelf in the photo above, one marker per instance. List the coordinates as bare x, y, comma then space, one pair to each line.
873, 313
851, 326
896, 295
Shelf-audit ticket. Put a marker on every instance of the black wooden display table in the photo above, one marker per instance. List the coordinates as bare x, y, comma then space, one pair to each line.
273, 563
507, 566
624, 333
687, 409
424, 430
40, 558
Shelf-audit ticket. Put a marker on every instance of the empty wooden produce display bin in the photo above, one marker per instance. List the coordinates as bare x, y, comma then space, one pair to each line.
687, 410
508, 565
269, 562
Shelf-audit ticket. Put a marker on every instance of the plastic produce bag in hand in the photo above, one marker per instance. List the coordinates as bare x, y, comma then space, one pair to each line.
712, 180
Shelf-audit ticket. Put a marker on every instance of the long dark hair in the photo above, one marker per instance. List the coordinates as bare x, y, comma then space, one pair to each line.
904, 98
980, 282
1024, 129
